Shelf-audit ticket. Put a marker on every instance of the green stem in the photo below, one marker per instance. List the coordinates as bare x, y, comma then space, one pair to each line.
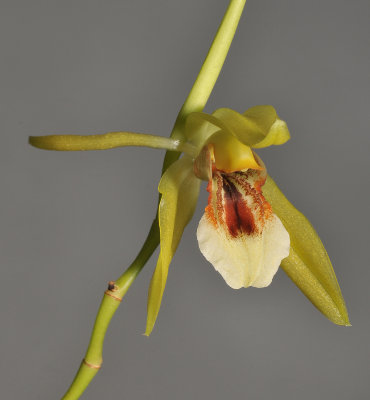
208, 74
110, 302
195, 101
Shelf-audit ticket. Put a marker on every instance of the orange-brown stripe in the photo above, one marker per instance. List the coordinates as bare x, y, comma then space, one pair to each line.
108, 293
92, 366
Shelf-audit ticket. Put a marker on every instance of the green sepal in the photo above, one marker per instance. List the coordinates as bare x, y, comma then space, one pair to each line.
180, 189
308, 264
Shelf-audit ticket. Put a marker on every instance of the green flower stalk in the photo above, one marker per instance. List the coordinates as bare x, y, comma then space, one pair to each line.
248, 229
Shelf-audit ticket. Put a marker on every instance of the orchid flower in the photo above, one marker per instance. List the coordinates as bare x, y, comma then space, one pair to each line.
249, 228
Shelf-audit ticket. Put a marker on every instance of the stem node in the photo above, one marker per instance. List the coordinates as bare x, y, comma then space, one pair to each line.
109, 293
92, 366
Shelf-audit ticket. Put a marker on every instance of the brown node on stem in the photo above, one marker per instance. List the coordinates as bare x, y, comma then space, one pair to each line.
92, 366
112, 287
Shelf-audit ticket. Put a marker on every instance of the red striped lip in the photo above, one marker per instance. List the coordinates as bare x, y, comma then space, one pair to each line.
236, 203
238, 216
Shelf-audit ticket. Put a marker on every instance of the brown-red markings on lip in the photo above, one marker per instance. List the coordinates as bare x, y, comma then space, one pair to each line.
209, 209
228, 206
254, 189
238, 217
215, 209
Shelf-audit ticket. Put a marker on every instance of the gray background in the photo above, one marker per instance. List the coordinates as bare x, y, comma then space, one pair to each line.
72, 221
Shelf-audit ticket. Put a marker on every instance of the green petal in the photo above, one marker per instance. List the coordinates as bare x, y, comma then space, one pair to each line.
258, 127
274, 129
200, 127
179, 188
308, 264
245, 129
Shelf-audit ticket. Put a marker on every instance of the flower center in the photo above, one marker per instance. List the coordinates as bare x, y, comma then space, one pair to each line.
224, 152
230, 154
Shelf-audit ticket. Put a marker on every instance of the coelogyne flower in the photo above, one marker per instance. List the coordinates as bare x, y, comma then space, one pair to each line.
249, 228
245, 230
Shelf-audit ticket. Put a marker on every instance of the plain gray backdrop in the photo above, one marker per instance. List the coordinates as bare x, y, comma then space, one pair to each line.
70, 222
